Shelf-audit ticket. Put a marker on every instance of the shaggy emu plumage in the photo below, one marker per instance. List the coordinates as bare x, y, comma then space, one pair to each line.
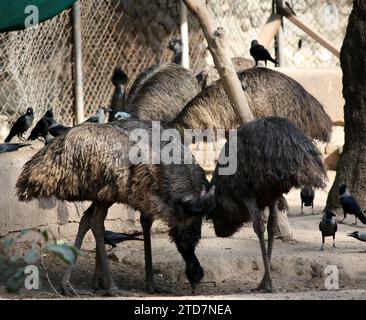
210, 74
269, 93
161, 92
82, 166
273, 156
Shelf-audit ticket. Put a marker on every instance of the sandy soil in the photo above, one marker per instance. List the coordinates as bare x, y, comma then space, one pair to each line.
233, 266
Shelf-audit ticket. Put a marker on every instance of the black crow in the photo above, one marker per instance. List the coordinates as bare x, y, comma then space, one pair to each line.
20, 126
359, 235
258, 52
307, 195
41, 127
328, 226
175, 45
9, 147
113, 238
56, 129
99, 116
350, 205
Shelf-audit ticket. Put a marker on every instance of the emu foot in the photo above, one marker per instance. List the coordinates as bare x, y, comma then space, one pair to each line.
265, 286
67, 290
156, 288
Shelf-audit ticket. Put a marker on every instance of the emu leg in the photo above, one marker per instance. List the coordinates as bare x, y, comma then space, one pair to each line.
146, 223
312, 208
258, 226
271, 229
323, 241
302, 207
97, 226
84, 227
334, 244
356, 221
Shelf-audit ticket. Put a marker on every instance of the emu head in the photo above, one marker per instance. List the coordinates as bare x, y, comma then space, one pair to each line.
194, 206
253, 43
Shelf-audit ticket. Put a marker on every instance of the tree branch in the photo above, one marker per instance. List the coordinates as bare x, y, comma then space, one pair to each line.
217, 45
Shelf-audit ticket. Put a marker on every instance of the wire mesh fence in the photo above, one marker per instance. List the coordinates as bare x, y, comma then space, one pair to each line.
36, 65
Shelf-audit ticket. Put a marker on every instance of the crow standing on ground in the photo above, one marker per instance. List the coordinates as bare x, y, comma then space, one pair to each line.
41, 127
258, 52
21, 125
307, 195
9, 147
359, 235
113, 238
99, 116
328, 226
350, 205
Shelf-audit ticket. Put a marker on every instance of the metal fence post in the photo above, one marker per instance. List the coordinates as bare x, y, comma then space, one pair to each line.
78, 63
184, 34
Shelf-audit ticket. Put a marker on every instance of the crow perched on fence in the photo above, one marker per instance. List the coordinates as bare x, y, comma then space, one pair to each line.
307, 195
22, 124
328, 226
9, 147
113, 238
350, 205
258, 52
359, 235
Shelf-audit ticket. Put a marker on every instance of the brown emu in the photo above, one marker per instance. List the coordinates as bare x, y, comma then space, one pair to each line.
269, 93
119, 80
80, 166
161, 92
273, 156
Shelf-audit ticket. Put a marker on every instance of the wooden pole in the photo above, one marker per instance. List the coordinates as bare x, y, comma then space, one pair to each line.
184, 34
310, 32
280, 37
270, 29
78, 63
217, 45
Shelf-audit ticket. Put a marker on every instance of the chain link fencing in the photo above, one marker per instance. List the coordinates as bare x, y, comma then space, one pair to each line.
36, 65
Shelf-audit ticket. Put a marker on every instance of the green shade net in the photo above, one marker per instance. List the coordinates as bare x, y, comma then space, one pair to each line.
13, 16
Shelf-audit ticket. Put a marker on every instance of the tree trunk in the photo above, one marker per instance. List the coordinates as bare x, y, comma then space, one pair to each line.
351, 167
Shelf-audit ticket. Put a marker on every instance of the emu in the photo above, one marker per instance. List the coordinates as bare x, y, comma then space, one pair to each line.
161, 92
269, 93
119, 80
273, 156
82, 166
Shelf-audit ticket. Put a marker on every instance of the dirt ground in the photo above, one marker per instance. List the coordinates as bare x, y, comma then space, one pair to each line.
233, 266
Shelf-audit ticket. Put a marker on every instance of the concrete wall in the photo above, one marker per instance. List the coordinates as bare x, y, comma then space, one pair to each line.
61, 217
325, 84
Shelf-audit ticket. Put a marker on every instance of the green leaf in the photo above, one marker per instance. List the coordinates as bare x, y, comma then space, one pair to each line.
15, 281
30, 256
66, 252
